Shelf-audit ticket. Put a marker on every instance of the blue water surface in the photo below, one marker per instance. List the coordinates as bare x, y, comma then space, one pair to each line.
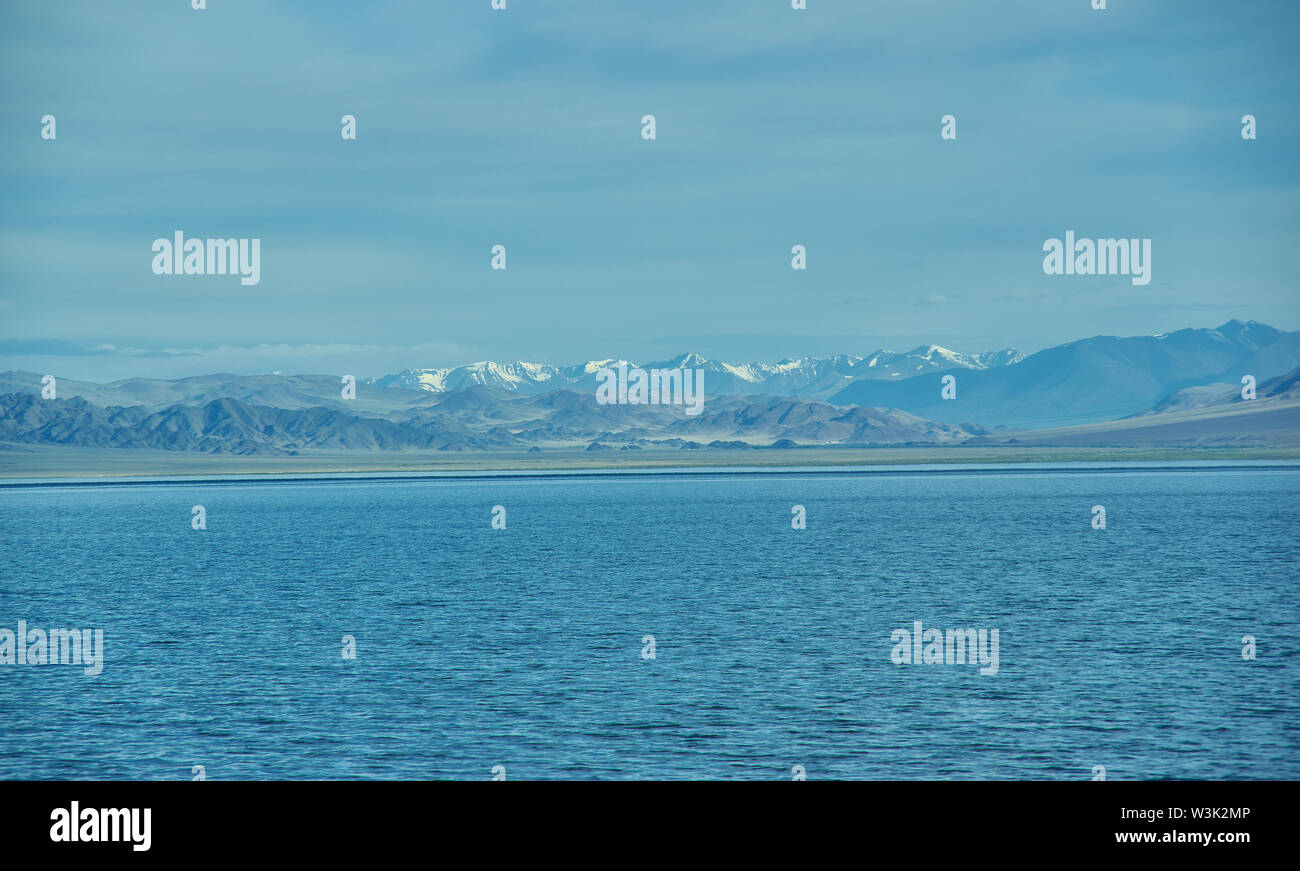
523, 647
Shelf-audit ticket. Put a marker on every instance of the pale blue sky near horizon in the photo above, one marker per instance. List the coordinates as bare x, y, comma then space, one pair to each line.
775, 127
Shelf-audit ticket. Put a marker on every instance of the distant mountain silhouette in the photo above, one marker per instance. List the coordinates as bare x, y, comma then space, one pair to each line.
876, 400
1095, 379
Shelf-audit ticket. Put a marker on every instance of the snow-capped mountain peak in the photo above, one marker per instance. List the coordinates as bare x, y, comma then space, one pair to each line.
816, 377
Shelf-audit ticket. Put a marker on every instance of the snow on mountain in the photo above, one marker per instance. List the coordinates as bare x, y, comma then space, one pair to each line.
805, 376
1087, 380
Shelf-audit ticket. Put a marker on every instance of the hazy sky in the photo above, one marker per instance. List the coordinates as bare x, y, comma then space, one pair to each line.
523, 128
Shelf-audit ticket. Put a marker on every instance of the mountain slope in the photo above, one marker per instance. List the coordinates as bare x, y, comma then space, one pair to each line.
1090, 380
1284, 386
1247, 424
476, 418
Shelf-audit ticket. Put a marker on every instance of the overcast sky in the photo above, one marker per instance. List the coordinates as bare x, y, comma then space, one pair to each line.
522, 128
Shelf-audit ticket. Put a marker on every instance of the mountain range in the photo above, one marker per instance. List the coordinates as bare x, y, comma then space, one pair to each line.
1167, 387
811, 377
474, 418
1090, 380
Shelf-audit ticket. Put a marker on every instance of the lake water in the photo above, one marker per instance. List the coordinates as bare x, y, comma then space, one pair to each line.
523, 647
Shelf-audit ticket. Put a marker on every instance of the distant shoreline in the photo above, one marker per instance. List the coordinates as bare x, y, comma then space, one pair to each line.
19, 463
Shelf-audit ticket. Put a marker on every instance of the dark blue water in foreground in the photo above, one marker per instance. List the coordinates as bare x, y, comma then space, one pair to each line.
523, 647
